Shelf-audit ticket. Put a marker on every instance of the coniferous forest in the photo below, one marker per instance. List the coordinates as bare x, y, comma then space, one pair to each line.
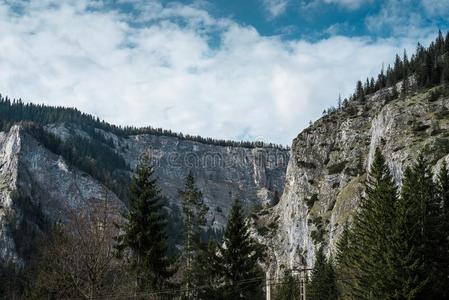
396, 245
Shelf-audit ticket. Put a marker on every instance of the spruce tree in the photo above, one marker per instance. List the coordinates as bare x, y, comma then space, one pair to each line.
407, 263
323, 279
343, 263
425, 193
360, 94
143, 241
238, 258
194, 218
372, 233
442, 251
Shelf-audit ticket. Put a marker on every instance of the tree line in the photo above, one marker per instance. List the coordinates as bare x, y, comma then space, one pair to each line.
426, 68
15, 110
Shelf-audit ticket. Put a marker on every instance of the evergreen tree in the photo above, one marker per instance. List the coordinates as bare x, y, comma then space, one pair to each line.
343, 263
442, 234
360, 94
194, 218
288, 288
443, 192
429, 221
407, 261
204, 273
372, 232
323, 280
237, 260
143, 241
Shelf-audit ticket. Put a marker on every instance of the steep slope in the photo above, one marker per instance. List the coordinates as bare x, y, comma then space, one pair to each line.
221, 172
329, 161
37, 185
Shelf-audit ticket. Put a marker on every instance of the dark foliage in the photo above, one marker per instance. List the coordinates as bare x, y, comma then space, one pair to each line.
143, 239
13, 111
323, 284
91, 155
237, 269
428, 67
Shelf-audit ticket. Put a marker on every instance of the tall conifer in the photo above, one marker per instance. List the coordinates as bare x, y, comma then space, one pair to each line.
323, 280
372, 232
143, 241
194, 218
407, 261
238, 257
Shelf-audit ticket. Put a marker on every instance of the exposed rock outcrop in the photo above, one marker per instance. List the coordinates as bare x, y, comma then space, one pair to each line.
28, 170
329, 162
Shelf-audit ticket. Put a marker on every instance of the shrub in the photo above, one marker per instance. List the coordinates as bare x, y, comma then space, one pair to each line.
311, 201
337, 168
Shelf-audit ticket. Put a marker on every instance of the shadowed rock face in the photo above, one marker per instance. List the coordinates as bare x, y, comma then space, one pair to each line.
328, 165
57, 188
221, 173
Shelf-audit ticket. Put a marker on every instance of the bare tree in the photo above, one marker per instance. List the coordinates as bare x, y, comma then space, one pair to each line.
77, 261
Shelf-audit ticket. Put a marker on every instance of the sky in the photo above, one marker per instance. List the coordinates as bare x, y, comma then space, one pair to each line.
229, 69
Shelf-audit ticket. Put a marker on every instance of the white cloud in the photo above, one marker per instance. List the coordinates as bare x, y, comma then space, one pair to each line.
167, 75
275, 8
436, 7
346, 4
349, 4
412, 18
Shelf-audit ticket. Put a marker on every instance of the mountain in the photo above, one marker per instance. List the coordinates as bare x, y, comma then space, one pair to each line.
54, 161
404, 112
329, 162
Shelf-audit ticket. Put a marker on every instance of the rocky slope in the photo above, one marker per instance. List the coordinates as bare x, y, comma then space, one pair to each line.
328, 165
31, 176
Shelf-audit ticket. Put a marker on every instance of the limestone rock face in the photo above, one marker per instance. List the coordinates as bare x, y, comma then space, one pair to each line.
328, 166
56, 188
34, 180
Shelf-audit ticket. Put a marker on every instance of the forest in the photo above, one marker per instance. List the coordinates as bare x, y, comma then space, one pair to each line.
15, 110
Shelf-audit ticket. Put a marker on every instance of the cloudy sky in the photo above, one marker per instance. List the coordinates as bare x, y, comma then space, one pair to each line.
234, 69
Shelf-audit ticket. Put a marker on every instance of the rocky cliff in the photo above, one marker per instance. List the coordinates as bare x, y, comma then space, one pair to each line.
35, 183
329, 162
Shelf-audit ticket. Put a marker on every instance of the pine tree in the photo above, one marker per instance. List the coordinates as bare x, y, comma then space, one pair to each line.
372, 232
323, 280
426, 194
419, 260
143, 242
359, 93
194, 218
237, 260
407, 261
343, 263
442, 252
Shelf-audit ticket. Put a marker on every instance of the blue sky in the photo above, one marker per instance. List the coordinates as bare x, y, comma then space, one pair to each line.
248, 69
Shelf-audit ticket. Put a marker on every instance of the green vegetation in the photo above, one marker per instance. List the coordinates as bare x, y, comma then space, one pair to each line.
194, 217
14, 111
337, 168
429, 66
398, 246
239, 275
91, 155
323, 283
306, 164
143, 240
319, 232
310, 201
